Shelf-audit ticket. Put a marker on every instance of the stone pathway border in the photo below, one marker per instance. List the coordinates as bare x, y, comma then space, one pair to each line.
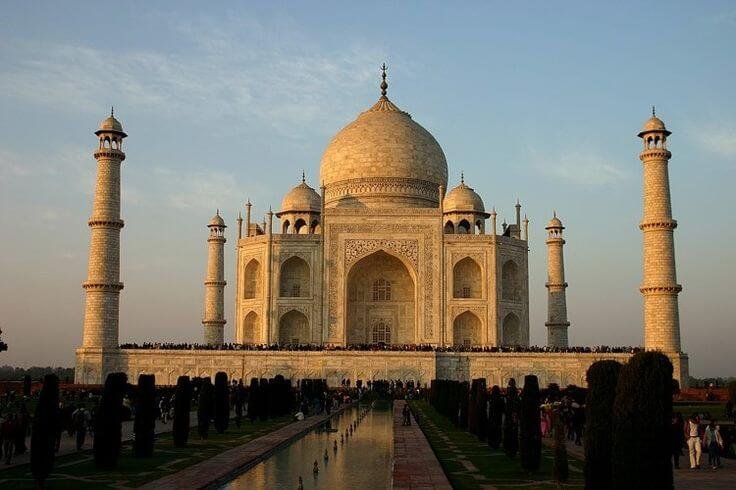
415, 464
219, 469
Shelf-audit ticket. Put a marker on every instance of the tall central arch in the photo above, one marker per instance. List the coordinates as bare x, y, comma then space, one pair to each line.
380, 301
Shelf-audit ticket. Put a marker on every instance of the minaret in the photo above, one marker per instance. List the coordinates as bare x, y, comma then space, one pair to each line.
102, 287
659, 287
556, 301
214, 295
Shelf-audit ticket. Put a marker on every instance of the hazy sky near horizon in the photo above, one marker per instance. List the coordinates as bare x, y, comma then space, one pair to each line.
225, 102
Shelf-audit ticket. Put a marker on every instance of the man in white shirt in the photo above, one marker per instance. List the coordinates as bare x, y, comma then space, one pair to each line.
692, 435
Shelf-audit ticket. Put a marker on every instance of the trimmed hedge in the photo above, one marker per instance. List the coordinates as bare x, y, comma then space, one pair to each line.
642, 412
530, 432
144, 425
182, 409
45, 427
602, 378
108, 421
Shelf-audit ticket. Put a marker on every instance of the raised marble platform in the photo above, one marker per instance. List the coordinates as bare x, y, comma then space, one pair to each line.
421, 366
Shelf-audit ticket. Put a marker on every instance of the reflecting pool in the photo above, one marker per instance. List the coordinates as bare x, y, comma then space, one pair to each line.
363, 460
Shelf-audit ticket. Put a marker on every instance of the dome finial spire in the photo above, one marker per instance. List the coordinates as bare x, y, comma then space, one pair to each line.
303, 177
112, 111
462, 177
654, 112
384, 84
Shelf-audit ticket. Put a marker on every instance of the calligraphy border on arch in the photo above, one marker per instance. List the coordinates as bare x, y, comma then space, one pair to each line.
429, 256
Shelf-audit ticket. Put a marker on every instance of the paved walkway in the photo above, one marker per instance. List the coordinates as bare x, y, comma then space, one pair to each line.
415, 464
223, 467
69, 444
685, 478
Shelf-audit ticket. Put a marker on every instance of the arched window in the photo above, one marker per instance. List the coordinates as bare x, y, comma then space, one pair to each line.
510, 281
300, 227
381, 290
467, 279
285, 227
294, 328
381, 333
511, 330
294, 280
251, 326
449, 227
479, 227
314, 227
252, 280
466, 329
463, 227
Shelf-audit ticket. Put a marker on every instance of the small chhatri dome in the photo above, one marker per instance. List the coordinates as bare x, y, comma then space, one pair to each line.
464, 199
217, 220
554, 223
383, 159
111, 125
653, 124
301, 198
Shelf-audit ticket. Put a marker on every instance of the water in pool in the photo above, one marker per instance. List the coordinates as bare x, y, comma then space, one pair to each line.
363, 460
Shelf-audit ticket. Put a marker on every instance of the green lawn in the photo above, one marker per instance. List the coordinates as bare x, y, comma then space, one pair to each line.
717, 410
78, 470
470, 463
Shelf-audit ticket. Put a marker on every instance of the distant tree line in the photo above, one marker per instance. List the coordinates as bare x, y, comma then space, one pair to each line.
37, 373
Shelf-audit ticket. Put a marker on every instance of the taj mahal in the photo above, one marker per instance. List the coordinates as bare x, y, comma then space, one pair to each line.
381, 271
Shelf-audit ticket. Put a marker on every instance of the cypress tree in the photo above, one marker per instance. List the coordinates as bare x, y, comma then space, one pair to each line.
464, 396
182, 409
473, 408
45, 426
264, 399
204, 408
511, 420
253, 398
495, 416
642, 412
27, 385
602, 377
530, 431
144, 425
222, 402
560, 469
108, 421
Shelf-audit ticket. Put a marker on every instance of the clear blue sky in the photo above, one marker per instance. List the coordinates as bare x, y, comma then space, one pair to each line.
224, 102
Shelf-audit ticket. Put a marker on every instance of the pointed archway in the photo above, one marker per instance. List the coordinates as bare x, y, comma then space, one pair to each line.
380, 301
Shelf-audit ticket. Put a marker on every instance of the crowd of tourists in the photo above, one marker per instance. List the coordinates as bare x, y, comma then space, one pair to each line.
378, 347
74, 419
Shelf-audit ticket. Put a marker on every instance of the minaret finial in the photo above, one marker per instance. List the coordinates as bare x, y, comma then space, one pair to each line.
384, 84
112, 111
303, 177
654, 112
218, 212
554, 213
462, 177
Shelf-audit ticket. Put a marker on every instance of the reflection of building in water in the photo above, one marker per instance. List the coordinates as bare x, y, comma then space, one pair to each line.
382, 254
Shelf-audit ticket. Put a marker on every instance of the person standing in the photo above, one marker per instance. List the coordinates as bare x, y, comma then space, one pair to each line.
79, 421
677, 438
8, 429
713, 442
693, 441
239, 400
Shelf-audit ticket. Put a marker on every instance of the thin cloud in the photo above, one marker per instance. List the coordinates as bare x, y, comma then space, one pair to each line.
720, 140
584, 170
234, 71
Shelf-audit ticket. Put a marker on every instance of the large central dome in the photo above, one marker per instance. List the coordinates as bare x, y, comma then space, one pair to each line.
383, 159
